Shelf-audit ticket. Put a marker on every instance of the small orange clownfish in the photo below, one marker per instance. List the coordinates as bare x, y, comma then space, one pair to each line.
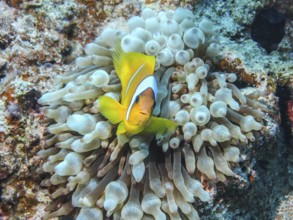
138, 95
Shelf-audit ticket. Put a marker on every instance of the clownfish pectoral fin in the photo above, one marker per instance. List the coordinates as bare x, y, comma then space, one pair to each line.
121, 129
160, 126
111, 109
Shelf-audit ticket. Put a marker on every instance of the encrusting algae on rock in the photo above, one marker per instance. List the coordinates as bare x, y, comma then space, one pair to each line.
146, 175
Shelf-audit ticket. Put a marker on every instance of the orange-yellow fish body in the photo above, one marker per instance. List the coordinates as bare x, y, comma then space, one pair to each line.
138, 95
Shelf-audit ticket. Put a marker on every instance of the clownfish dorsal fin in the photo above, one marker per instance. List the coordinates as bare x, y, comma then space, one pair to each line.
118, 58
132, 68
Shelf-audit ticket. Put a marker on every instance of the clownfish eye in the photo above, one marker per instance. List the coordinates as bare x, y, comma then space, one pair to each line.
136, 99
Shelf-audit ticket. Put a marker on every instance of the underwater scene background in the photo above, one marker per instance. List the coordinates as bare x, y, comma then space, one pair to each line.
224, 75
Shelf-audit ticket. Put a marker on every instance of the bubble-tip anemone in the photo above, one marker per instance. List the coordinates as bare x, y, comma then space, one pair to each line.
151, 176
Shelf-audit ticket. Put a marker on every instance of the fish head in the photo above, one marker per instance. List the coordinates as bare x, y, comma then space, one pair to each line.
140, 112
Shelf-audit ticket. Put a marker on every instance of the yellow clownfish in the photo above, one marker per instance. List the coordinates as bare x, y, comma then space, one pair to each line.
138, 95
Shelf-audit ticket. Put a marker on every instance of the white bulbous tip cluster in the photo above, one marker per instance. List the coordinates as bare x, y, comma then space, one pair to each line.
167, 35
122, 176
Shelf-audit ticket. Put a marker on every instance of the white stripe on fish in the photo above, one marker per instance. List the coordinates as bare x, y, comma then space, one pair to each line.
131, 79
148, 82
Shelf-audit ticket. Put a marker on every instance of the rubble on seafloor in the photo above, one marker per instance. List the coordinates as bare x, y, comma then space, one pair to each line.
39, 42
